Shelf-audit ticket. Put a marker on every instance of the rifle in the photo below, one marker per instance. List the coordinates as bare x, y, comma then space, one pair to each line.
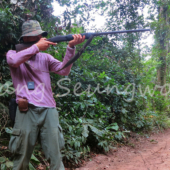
69, 37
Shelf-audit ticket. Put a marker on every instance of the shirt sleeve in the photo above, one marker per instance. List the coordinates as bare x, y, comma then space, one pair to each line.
55, 65
14, 59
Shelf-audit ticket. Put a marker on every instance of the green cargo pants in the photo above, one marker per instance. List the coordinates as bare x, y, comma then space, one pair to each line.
37, 121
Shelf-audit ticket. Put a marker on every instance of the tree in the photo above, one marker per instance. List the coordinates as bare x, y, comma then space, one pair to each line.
162, 40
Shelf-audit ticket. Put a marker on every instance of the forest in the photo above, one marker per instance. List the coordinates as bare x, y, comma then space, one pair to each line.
119, 85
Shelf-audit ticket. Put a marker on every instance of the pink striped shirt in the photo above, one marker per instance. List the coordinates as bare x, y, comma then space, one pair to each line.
22, 73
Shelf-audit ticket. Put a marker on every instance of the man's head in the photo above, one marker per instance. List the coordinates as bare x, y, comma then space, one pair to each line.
31, 31
32, 38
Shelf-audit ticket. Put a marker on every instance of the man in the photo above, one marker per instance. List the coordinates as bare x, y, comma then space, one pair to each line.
30, 75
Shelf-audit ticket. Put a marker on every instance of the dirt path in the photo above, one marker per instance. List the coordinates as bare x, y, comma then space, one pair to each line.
151, 153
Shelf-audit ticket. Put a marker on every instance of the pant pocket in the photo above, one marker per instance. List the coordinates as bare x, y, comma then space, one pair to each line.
61, 137
15, 141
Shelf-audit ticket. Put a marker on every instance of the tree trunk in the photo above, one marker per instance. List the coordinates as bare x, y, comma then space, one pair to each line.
161, 71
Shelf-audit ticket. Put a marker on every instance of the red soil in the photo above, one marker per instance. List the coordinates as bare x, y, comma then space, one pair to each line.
151, 153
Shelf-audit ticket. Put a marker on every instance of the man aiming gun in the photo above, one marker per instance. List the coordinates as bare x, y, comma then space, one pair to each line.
36, 113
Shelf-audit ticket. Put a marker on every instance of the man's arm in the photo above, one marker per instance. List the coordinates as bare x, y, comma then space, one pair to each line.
55, 65
15, 59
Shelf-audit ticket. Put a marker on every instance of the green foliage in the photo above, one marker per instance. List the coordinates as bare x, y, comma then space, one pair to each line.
5, 163
96, 120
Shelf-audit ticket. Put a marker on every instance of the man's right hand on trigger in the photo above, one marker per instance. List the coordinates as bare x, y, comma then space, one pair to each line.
42, 44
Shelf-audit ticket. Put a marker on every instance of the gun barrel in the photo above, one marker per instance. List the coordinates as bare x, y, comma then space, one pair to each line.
123, 31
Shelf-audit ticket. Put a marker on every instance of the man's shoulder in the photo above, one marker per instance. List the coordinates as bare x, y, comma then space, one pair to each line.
11, 51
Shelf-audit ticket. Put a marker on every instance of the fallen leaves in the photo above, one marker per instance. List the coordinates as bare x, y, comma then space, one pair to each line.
153, 141
106, 167
41, 167
98, 162
3, 147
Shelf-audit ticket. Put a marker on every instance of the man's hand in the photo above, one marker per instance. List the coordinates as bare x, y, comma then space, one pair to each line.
77, 40
42, 44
